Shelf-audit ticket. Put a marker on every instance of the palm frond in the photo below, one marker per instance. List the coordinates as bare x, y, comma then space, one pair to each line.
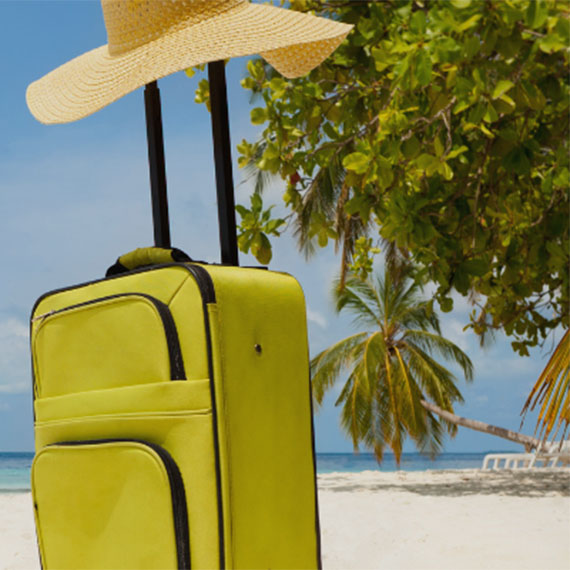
328, 364
437, 381
410, 397
320, 199
396, 441
356, 411
435, 343
552, 392
261, 178
355, 297
418, 315
430, 441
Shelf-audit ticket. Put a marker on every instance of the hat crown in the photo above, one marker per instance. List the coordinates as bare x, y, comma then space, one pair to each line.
133, 23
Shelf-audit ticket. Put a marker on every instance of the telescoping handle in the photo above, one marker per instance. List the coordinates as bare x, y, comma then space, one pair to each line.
222, 162
157, 165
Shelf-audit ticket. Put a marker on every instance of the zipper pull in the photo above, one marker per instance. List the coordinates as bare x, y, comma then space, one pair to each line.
43, 316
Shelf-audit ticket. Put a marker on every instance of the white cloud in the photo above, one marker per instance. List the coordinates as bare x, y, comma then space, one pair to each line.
14, 356
316, 317
452, 329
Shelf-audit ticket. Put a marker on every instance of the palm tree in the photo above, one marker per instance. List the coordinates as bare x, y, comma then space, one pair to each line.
392, 366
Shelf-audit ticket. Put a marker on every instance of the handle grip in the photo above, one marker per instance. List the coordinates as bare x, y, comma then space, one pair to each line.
144, 256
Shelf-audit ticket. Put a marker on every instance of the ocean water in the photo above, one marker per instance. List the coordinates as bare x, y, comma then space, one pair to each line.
354, 463
15, 467
15, 471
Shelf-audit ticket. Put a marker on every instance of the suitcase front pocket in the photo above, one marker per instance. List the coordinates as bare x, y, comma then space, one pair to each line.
117, 504
114, 341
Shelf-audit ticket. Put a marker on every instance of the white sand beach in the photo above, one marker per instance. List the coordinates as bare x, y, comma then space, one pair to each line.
464, 519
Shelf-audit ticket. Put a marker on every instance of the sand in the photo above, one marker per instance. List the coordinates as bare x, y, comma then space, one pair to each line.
441, 520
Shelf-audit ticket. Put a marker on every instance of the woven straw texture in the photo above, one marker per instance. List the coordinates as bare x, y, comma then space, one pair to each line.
149, 39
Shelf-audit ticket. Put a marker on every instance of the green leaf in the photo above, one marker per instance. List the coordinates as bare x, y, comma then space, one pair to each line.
273, 225
536, 13
469, 23
508, 100
357, 162
385, 177
517, 161
562, 178
203, 93
258, 115
242, 210
461, 4
323, 238
461, 280
418, 22
456, 152
502, 87
552, 43
490, 115
261, 248
438, 147
256, 203
486, 131
446, 171
423, 67
330, 131
446, 304
477, 112
461, 106
477, 267
563, 29
427, 162
411, 147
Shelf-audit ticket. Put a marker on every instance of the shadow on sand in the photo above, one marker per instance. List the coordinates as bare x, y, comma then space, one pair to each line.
536, 483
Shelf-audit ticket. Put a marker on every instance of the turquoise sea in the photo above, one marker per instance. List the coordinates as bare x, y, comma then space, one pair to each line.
15, 467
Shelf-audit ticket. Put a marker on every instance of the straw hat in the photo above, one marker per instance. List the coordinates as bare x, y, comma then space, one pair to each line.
149, 39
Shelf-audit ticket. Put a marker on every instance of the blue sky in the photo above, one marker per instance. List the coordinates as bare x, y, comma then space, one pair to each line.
74, 197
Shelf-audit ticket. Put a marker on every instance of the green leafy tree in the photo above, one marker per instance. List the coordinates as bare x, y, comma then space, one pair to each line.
392, 367
439, 127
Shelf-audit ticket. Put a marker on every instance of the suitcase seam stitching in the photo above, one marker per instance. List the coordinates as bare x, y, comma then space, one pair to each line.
226, 429
104, 417
188, 276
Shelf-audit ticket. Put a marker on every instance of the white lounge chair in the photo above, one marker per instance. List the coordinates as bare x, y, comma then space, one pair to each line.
549, 455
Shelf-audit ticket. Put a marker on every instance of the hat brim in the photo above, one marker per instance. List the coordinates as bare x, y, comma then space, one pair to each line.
292, 42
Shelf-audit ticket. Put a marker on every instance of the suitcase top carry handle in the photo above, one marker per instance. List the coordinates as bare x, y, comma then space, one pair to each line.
147, 256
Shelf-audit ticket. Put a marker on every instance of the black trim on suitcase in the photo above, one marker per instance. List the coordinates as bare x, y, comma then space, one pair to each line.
207, 290
110, 278
177, 492
314, 453
177, 371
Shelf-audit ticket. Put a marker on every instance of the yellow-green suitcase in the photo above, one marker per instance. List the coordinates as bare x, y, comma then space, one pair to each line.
173, 420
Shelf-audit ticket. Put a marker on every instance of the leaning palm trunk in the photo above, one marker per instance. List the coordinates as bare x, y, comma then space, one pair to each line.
526, 440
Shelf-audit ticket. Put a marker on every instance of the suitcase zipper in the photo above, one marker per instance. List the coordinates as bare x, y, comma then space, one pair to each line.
177, 371
177, 491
